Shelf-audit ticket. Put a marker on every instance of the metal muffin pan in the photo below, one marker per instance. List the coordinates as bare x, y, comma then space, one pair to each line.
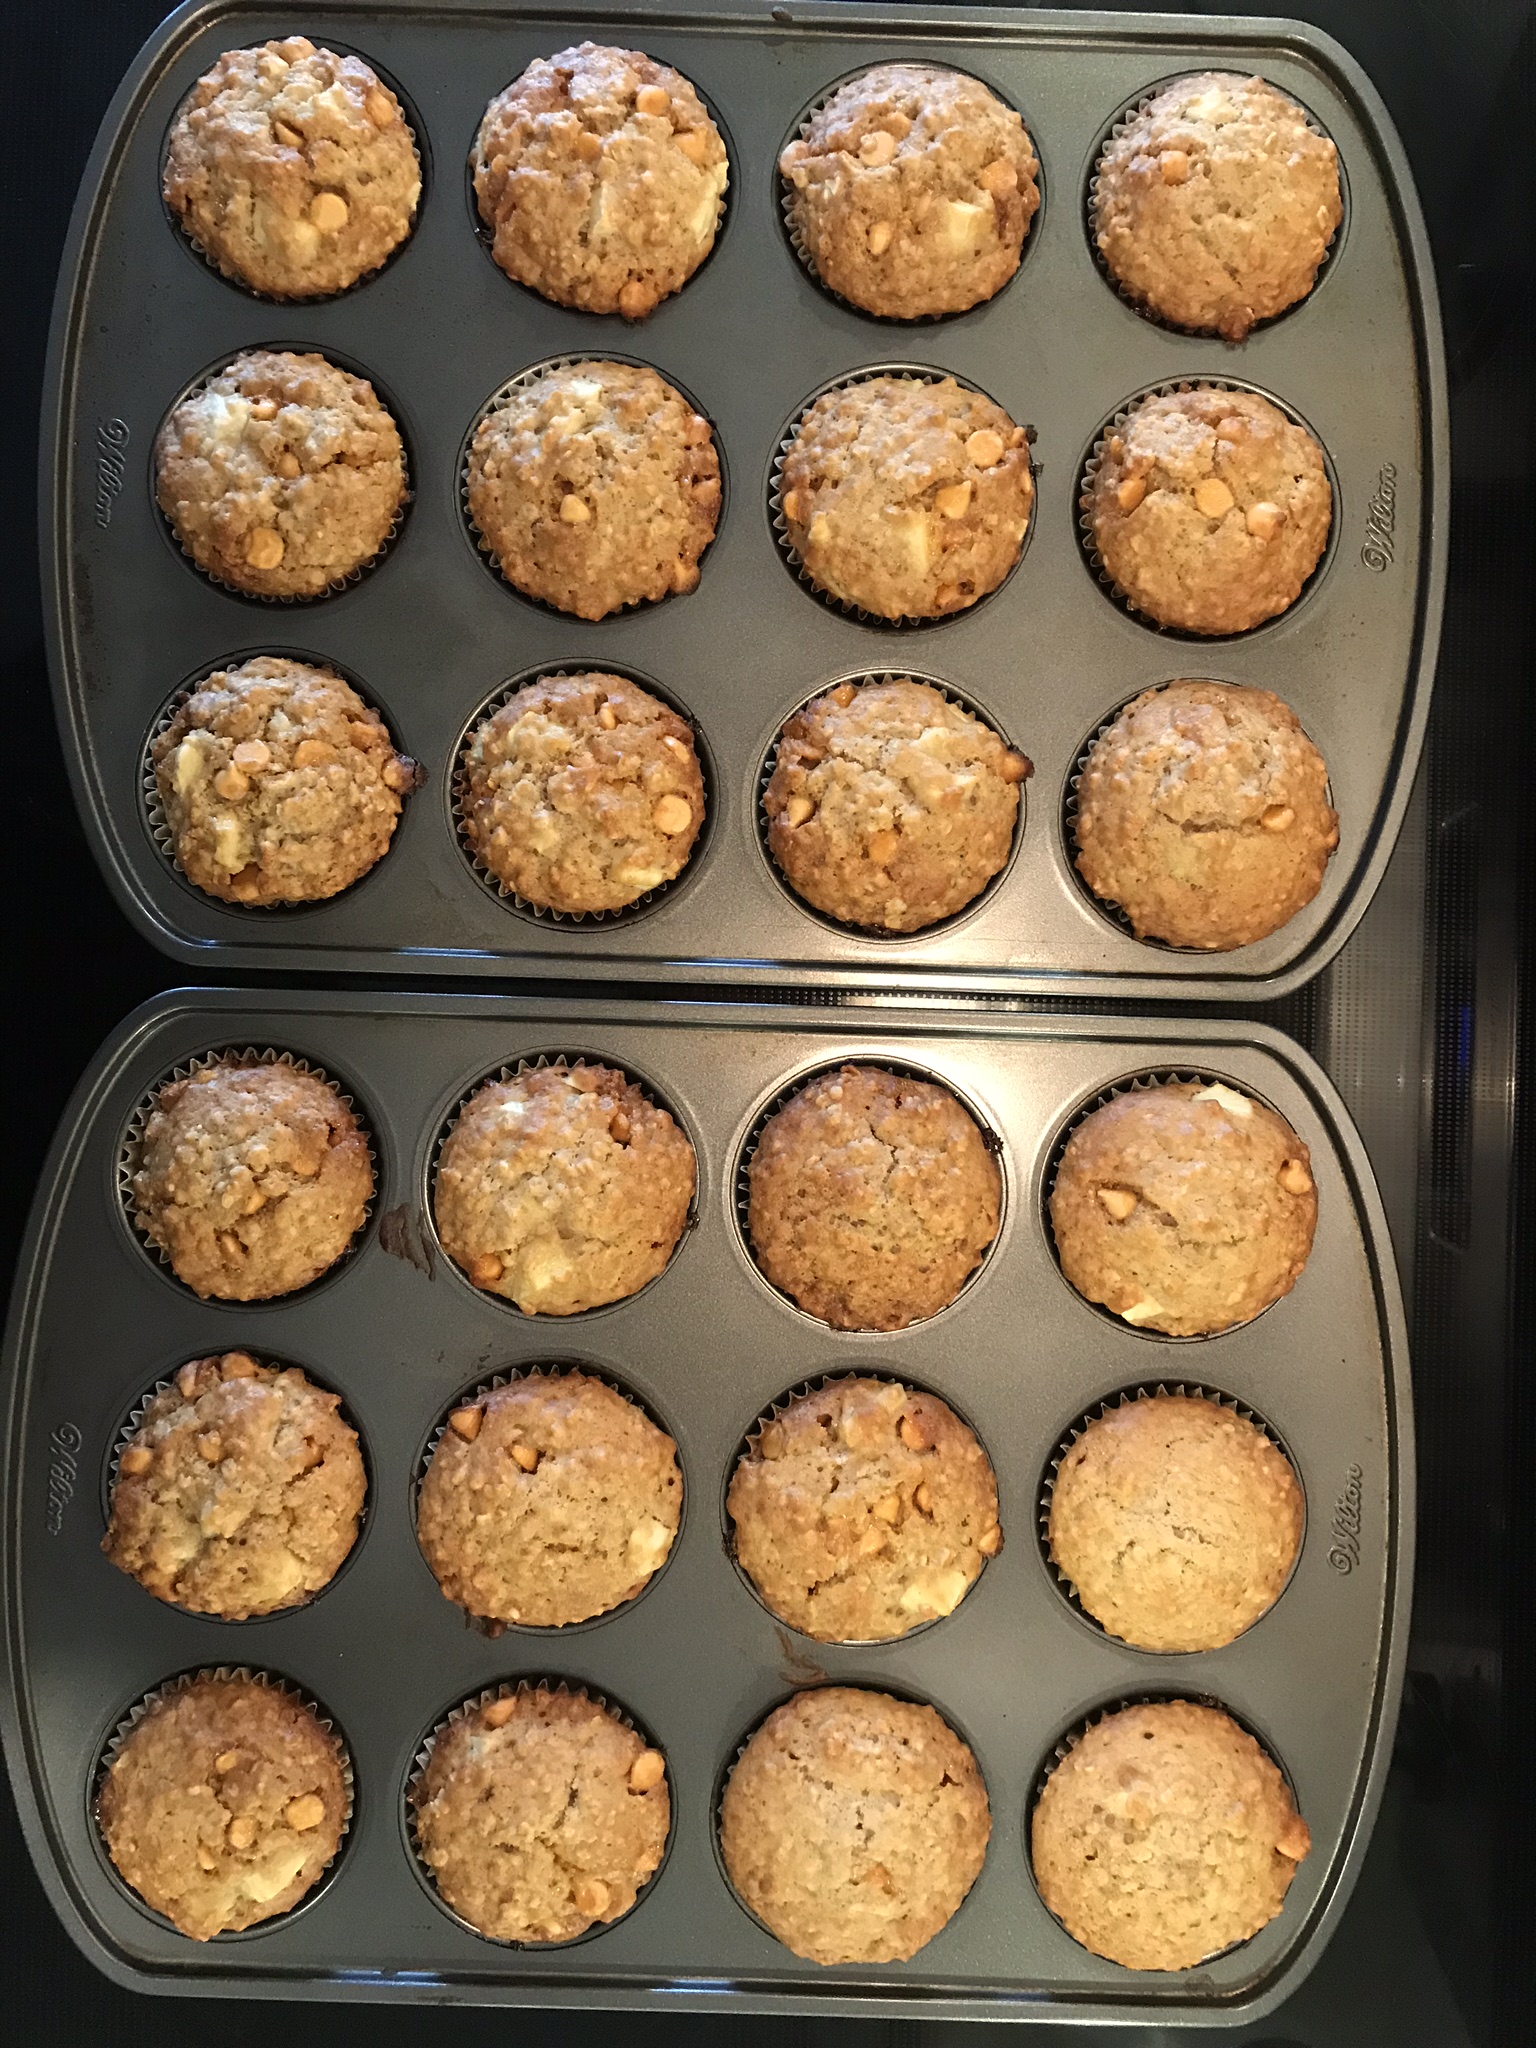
431, 635
707, 1347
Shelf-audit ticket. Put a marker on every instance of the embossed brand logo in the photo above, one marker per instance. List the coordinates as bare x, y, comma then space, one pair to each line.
1381, 520
111, 440
1344, 1551
63, 1471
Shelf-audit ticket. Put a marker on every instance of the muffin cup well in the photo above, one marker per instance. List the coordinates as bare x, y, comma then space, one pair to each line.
508, 1689
124, 1727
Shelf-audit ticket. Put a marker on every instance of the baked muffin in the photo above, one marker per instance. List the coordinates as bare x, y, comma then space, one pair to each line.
293, 169
1164, 1836
890, 807
1184, 1208
562, 1188
1176, 1522
282, 475
904, 498
1215, 203
595, 485
854, 1824
1210, 509
1203, 812
863, 1510
873, 1198
278, 783
601, 179
240, 1491
539, 1815
581, 793
911, 191
253, 1179
224, 1804
548, 1501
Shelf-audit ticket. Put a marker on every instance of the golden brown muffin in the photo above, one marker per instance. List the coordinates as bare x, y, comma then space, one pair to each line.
863, 1510
905, 498
252, 1179
595, 486
293, 169
282, 475
240, 1491
563, 1188
911, 191
548, 1501
1203, 813
854, 1824
873, 1198
1176, 1522
1184, 1208
582, 793
278, 783
539, 1815
1210, 509
225, 1804
1215, 203
1164, 1836
601, 178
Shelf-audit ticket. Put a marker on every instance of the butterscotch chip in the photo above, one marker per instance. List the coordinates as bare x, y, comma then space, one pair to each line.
1164, 1836
1216, 1235
293, 168
253, 1180
561, 1505
849, 1533
1203, 812
601, 178
911, 190
862, 480
1216, 202
582, 793
531, 1823
595, 486
873, 1198
569, 1182
854, 1824
264, 1525
204, 1840
225, 474
1210, 571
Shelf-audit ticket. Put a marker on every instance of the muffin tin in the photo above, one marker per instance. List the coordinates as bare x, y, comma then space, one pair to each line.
429, 635
399, 1333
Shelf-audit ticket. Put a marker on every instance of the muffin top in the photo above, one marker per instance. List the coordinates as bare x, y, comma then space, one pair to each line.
1176, 1521
1215, 203
854, 1824
282, 475
562, 1188
911, 190
1184, 1208
890, 807
224, 1804
582, 792
601, 178
595, 485
540, 1814
239, 1492
905, 498
863, 1510
293, 169
873, 1198
1210, 509
252, 1179
1164, 1836
548, 1501
278, 783
1203, 812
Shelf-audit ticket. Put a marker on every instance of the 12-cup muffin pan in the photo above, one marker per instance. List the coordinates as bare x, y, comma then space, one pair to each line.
432, 633
696, 1660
